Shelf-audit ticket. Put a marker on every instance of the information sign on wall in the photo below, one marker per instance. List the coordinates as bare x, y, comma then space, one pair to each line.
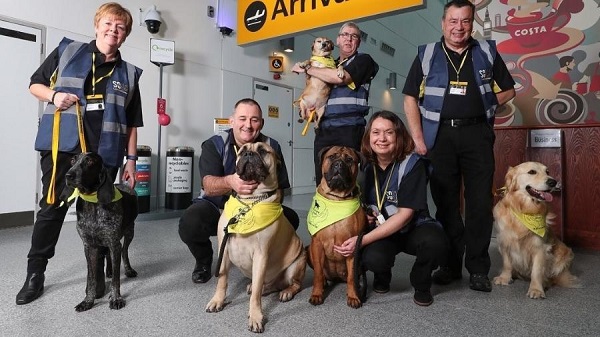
545, 138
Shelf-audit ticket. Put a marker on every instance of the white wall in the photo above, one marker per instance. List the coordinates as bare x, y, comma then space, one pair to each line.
211, 71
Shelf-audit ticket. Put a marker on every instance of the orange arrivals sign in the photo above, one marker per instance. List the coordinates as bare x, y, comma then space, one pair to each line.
264, 19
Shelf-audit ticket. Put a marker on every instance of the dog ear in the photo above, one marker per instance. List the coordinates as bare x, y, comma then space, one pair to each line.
106, 190
66, 193
361, 158
509, 179
323, 151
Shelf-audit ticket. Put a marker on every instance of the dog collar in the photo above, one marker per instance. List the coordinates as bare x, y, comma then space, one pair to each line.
534, 222
260, 216
93, 197
324, 212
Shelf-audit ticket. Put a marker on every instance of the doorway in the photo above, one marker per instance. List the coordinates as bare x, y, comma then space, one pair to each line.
276, 102
19, 175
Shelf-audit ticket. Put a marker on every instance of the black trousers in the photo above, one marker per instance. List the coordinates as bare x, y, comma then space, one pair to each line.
350, 136
465, 155
50, 218
427, 242
199, 222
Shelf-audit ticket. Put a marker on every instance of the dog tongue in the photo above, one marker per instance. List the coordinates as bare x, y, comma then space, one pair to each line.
546, 196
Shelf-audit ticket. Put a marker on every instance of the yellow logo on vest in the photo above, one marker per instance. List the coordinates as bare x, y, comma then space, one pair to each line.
256, 218
324, 212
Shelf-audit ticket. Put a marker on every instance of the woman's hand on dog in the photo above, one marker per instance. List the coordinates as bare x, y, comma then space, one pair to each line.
347, 247
241, 186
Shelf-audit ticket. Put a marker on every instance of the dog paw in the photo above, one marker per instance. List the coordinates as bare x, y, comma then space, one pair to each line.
130, 272
215, 306
503, 281
255, 323
354, 303
286, 295
83, 306
116, 304
536, 293
315, 300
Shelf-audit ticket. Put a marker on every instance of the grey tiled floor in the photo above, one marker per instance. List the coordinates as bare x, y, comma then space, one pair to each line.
162, 300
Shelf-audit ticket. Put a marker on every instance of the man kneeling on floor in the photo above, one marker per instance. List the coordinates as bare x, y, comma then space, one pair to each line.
219, 180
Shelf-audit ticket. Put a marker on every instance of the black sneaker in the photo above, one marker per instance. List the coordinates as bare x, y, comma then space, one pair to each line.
423, 298
445, 275
381, 282
480, 282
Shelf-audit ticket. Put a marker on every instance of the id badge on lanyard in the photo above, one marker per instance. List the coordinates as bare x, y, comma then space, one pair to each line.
458, 88
94, 102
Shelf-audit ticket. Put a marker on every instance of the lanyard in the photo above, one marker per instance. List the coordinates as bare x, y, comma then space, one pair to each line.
381, 197
94, 80
452, 63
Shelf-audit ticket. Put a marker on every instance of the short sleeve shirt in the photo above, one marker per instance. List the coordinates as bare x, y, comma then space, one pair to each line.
211, 162
362, 69
92, 120
457, 106
412, 192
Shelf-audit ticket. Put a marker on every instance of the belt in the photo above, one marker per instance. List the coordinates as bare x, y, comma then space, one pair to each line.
456, 122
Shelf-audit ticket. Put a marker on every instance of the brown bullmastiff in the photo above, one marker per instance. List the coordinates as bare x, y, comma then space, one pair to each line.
335, 216
261, 242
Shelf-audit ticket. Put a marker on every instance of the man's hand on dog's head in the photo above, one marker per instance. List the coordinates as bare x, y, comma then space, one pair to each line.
241, 186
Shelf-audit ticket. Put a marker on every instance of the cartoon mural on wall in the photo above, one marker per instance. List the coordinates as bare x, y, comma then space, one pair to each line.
552, 49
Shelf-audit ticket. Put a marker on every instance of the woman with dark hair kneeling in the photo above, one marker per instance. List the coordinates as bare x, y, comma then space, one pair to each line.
395, 190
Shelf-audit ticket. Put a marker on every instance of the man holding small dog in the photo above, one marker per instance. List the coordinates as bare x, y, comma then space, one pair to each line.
451, 94
343, 122
219, 180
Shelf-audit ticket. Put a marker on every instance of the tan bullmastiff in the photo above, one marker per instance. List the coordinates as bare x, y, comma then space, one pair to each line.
261, 241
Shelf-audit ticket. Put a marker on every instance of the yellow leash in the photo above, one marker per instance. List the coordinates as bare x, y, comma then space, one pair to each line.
55, 138
310, 118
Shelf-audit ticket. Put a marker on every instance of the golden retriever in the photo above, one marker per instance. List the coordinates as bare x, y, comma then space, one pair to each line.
534, 254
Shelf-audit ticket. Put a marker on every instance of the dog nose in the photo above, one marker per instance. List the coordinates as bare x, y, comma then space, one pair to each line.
551, 182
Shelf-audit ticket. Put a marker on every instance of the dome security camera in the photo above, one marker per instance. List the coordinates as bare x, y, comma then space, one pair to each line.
152, 20
153, 25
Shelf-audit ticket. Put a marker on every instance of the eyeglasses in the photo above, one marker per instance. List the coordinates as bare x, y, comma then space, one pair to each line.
349, 36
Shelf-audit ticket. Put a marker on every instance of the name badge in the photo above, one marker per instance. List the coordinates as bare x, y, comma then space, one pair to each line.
458, 88
94, 102
374, 211
380, 219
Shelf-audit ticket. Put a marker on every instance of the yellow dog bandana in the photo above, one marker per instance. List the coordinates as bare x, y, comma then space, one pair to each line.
256, 218
91, 197
327, 61
534, 222
324, 212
